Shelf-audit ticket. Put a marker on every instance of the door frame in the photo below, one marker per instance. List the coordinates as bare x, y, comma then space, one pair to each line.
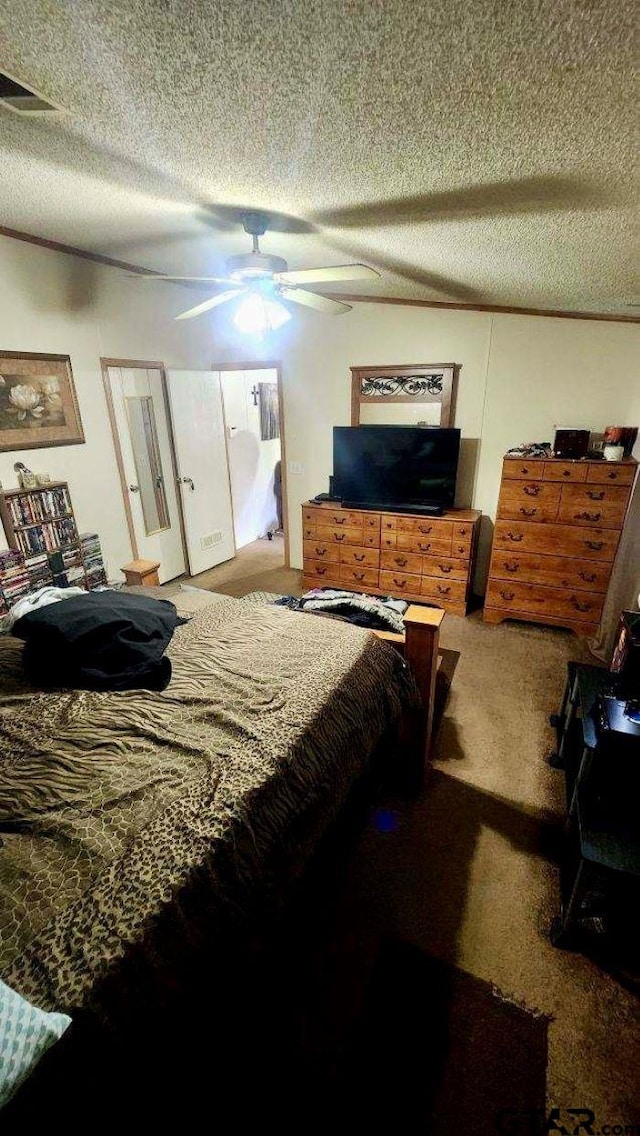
267, 366
143, 365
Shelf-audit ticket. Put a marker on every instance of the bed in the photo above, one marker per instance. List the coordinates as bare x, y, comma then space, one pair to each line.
133, 823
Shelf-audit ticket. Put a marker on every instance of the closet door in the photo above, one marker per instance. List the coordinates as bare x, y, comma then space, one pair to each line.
203, 472
143, 443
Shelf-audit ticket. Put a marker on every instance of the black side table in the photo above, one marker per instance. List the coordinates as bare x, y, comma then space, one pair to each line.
602, 785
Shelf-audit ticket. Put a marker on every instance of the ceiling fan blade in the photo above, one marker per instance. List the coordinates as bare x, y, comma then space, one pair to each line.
214, 302
327, 275
187, 279
313, 300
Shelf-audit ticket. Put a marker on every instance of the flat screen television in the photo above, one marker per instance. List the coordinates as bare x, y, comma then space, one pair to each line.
401, 467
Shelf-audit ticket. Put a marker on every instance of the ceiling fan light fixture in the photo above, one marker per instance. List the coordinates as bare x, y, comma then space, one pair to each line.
257, 314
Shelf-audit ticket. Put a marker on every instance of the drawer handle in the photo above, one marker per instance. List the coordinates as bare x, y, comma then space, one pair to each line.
446, 568
399, 583
596, 545
424, 546
463, 532
515, 537
321, 571
461, 549
587, 516
512, 567
525, 469
527, 512
340, 536
444, 591
340, 520
321, 552
425, 528
566, 473
580, 605
507, 595
612, 475
401, 561
593, 495
588, 577
359, 558
531, 490
358, 575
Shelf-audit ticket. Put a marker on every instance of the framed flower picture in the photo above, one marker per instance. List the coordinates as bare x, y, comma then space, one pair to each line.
38, 404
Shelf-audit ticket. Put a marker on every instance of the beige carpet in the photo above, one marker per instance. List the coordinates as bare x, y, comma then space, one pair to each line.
468, 873
258, 567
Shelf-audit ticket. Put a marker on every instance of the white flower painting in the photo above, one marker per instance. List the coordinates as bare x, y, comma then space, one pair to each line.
37, 402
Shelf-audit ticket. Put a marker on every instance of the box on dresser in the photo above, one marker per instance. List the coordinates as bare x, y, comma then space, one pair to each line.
556, 535
426, 560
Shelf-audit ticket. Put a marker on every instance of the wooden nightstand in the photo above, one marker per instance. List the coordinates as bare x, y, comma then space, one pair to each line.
142, 572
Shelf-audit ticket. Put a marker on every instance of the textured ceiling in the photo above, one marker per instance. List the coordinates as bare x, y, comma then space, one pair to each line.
471, 150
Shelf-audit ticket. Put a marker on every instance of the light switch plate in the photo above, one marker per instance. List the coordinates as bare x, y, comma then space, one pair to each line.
295, 468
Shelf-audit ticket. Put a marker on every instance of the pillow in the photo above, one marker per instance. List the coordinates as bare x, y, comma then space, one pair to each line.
25, 1034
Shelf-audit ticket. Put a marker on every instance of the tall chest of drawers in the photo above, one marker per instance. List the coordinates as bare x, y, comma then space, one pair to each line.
426, 560
556, 535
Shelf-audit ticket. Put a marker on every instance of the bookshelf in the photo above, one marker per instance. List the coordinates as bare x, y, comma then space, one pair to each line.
44, 544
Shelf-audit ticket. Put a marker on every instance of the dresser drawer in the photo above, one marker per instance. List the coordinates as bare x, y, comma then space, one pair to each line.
554, 602
565, 471
422, 526
552, 571
359, 557
413, 542
611, 473
400, 581
358, 577
461, 548
335, 517
398, 561
590, 544
335, 534
445, 567
600, 505
323, 573
463, 530
529, 500
320, 550
443, 589
516, 468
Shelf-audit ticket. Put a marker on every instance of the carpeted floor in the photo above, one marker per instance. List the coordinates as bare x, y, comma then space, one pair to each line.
466, 876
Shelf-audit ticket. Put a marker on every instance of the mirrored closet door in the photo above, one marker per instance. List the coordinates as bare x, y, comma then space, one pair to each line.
136, 398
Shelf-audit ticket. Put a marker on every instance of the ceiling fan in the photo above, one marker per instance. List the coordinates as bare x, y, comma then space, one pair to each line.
261, 281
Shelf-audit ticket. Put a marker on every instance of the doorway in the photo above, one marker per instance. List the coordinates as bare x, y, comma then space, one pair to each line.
136, 402
253, 413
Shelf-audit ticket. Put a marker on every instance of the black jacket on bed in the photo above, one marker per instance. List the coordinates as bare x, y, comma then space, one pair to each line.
111, 640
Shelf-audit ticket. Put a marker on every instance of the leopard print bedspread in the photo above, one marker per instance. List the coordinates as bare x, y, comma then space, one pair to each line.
123, 815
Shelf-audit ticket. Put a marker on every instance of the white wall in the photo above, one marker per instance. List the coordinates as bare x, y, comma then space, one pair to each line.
520, 376
58, 304
251, 460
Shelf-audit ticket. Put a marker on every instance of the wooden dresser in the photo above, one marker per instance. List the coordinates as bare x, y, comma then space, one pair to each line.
555, 540
422, 559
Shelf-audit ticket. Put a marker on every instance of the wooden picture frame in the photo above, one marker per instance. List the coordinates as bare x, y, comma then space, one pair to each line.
38, 403
422, 383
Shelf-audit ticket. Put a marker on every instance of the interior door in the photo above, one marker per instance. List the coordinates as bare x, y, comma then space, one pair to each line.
137, 398
198, 429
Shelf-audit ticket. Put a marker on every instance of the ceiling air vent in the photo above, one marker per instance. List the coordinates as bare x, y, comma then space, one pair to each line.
23, 100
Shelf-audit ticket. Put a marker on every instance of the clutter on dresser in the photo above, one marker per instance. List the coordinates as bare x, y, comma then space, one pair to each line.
571, 442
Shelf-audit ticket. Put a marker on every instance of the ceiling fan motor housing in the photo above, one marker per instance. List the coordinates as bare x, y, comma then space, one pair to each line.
254, 265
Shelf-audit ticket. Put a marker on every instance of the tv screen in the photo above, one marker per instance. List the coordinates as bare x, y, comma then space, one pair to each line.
396, 465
